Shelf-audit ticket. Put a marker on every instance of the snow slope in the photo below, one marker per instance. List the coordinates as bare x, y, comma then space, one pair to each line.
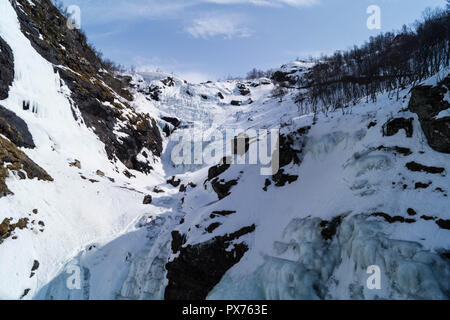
343, 173
314, 238
75, 211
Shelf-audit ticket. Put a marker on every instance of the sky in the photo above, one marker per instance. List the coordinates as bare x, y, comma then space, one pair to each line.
202, 40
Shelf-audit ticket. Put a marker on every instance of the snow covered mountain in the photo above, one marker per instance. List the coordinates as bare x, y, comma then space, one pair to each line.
92, 205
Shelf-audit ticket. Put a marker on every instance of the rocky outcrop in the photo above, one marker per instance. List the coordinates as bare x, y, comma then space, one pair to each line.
290, 151
15, 129
101, 95
220, 168
222, 187
393, 126
6, 69
427, 102
13, 159
417, 167
198, 268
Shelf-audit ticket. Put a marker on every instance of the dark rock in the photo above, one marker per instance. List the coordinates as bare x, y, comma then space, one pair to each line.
167, 130
128, 174
421, 185
283, 77
267, 183
169, 81
198, 268
172, 181
76, 163
213, 226
15, 129
13, 159
243, 90
35, 265
173, 121
154, 92
372, 124
178, 241
222, 213
444, 254
220, 168
417, 167
401, 150
427, 102
287, 152
157, 190
443, 224
393, 126
220, 95
4, 227
21, 224
329, 228
235, 103
6, 69
222, 188
25, 292
391, 219
147, 199
281, 178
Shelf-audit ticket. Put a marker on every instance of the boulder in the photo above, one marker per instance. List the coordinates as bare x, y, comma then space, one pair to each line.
427, 102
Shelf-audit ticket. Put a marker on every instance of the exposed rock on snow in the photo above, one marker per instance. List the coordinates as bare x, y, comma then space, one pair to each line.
198, 268
395, 125
417, 167
428, 102
13, 159
102, 97
6, 69
147, 199
15, 129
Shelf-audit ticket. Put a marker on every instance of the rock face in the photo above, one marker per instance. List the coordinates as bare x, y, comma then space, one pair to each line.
15, 129
393, 126
198, 268
102, 96
290, 151
6, 69
427, 102
15, 160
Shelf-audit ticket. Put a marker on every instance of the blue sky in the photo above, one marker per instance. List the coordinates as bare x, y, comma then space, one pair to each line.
208, 39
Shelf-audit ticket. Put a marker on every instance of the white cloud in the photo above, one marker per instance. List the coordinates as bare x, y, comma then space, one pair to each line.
119, 10
225, 25
274, 3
